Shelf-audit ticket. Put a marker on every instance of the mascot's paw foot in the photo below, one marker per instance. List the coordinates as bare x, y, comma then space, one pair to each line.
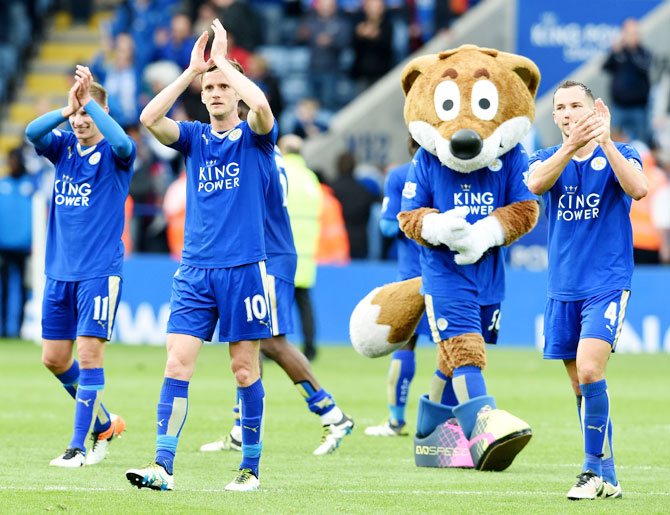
497, 438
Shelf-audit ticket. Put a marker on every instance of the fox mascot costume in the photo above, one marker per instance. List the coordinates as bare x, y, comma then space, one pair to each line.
465, 197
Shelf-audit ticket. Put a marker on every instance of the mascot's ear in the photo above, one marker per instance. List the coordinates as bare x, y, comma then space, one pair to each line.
525, 68
413, 69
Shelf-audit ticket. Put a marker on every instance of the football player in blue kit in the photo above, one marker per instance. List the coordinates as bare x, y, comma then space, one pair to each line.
403, 362
281, 267
222, 274
587, 183
84, 255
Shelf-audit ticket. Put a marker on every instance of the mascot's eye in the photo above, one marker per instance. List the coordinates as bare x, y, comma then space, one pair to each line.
484, 99
447, 100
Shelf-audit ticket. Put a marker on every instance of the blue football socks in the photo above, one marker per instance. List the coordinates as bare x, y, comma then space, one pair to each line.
595, 421
400, 375
171, 415
468, 383
253, 404
442, 389
89, 394
70, 379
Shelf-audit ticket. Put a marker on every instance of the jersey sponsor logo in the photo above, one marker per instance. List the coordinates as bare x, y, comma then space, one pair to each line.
68, 193
635, 163
442, 324
496, 166
94, 159
476, 202
409, 190
215, 177
235, 135
573, 206
598, 163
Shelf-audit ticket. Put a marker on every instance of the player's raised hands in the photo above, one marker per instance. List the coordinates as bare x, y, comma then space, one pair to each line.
73, 104
84, 78
220, 43
198, 63
588, 127
603, 114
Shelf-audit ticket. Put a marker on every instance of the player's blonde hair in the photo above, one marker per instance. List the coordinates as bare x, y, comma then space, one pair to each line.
235, 65
98, 93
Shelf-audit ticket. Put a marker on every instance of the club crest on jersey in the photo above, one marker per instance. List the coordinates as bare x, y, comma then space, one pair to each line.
598, 163
635, 163
442, 324
496, 166
409, 191
235, 135
94, 159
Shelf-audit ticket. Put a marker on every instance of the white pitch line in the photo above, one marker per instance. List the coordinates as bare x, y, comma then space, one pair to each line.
508, 493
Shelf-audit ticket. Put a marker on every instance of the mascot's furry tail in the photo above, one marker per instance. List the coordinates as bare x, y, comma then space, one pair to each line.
386, 318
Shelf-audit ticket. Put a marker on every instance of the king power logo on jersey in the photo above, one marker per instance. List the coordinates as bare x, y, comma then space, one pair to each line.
218, 176
573, 206
477, 202
69, 193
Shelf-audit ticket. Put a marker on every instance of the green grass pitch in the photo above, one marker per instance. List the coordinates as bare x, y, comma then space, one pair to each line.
365, 475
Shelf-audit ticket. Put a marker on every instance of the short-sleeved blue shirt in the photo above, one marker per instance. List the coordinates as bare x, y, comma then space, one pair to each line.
590, 240
431, 184
87, 213
282, 257
227, 178
409, 264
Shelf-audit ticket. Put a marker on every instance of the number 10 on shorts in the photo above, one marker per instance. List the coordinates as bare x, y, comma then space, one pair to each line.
256, 307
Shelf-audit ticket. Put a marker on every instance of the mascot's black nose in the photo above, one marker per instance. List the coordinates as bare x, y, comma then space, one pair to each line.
466, 144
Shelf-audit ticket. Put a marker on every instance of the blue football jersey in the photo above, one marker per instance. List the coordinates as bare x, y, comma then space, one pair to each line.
409, 264
282, 257
87, 214
227, 178
590, 240
431, 184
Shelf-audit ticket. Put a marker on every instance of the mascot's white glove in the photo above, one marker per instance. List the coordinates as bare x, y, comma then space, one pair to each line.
442, 228
471, 242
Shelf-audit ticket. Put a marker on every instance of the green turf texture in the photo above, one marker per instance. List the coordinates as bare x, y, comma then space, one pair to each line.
365, 475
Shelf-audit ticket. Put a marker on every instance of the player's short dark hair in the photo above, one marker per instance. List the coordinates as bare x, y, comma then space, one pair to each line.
574, 84
234, 63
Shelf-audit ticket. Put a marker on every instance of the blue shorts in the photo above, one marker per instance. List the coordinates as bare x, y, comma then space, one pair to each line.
80, 308
281, 294
424, 326
568, 322
452, 317
236, 297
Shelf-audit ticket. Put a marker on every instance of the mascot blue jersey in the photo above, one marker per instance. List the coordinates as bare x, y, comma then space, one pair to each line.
590, 237
282, 258
228, 176
86, 215
409, 264
431, 184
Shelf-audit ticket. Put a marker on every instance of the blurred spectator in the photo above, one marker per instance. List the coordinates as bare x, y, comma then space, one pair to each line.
629, 64
80, 10
304, 204
174, 209
272, 13
650, 216
192, 102
372, 43
356, 202
258, 70
333, 246
149, 183
126, 236
307, 119
121, 79
204, 18
327, 33
141, 19
238, 53
240, 20
176, 44
16, 190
